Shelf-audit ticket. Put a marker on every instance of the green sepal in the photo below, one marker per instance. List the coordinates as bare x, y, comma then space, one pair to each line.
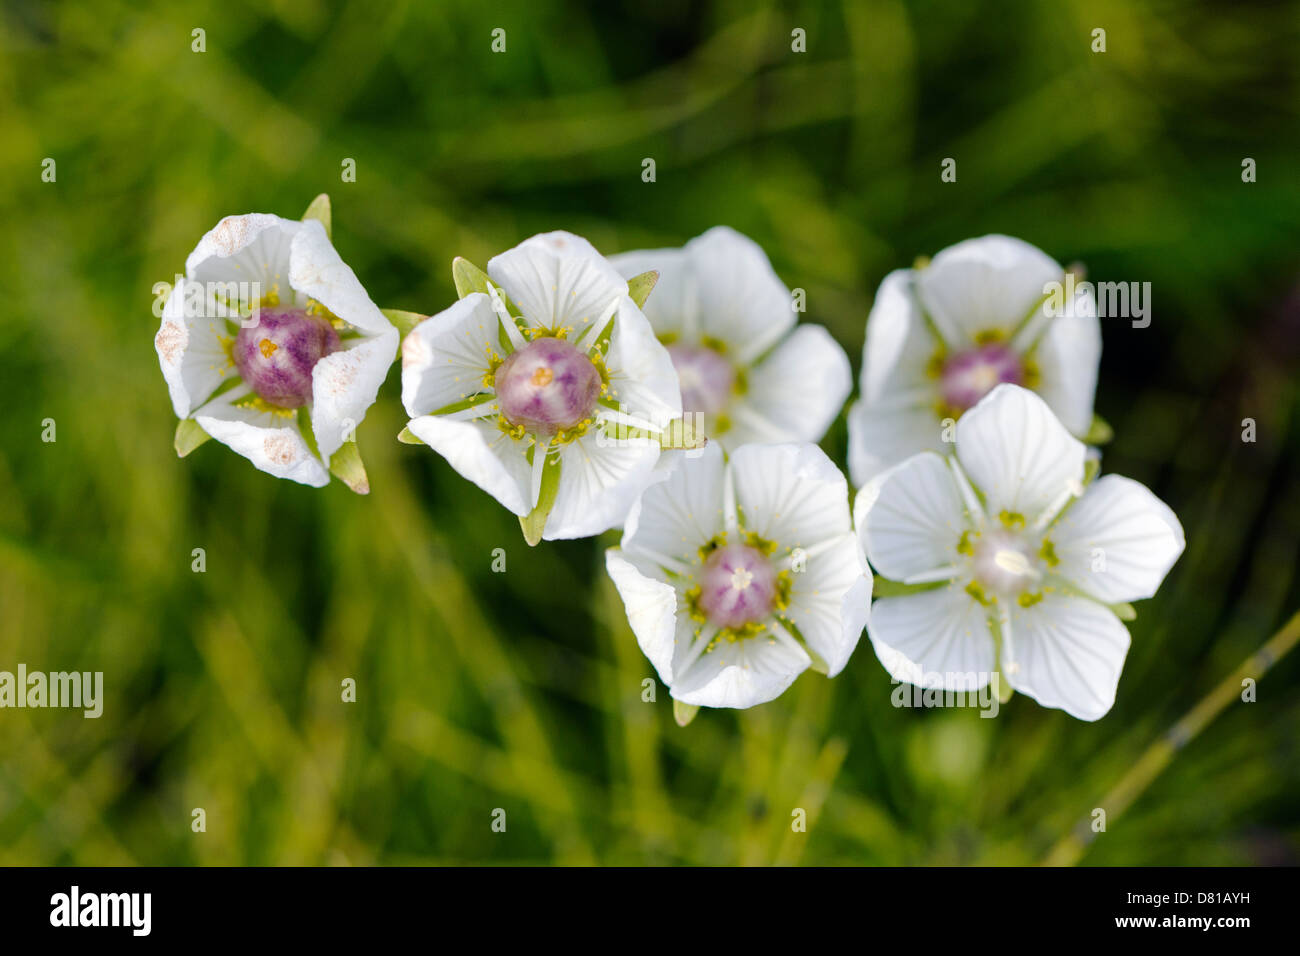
346, 465
684, 713
1005, 690
189, 436
408, 437
469, 278
639, 287
1091, 468
1125, 612
1099, 432
320, 209
884, 587
405, 321
680, 434
534, 523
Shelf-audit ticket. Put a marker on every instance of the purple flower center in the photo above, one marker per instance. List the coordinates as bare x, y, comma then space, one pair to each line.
969, 376
737, 586
547, 385
276, 356
706, 378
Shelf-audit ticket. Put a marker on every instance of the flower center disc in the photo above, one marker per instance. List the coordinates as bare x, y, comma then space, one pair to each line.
1005, 564
276, 356
547, 385
737, 586
969, 376
706, 378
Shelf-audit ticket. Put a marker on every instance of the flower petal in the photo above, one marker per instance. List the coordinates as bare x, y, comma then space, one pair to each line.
445, 357
641, 374
1066, 651
743, 673
651, 607
600, 478
1068, 355
193, 359
483, 453
345, 384
937, 638
791, 494
741, 301
899, 344
559, 280
830, 600
1018, 454
989, 284
316, 270
272, 442
1139, 538
916, 521
681, 512
795, 392
884, 434
251, 248
672, 308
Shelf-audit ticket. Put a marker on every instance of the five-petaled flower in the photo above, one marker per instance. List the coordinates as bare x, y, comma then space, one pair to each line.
1024, 571
944, 334
548, 390
729, 324
739, 575
285, 391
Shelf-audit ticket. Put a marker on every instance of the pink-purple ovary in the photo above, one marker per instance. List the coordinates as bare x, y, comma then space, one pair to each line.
547, 385
738, 586
970, 375
276, 356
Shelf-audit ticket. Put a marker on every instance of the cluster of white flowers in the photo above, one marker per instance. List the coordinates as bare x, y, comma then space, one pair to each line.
565, 385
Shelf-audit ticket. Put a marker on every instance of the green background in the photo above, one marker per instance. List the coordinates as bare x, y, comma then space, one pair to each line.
522, 690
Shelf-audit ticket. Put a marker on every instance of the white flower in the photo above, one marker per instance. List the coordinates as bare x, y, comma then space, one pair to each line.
738, 576
941, 336
1026, 578
729, 324
318, 352
522, 388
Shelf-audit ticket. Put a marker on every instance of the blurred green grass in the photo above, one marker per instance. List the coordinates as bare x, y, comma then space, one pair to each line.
523, 690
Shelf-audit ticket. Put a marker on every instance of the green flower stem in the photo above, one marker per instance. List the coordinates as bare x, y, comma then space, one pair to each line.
1161, 752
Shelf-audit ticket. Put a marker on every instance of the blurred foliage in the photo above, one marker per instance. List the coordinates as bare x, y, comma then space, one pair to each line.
522, 690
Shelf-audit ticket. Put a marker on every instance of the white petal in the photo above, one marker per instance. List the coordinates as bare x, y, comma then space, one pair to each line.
270, 441
681, 512
651, 607
1139, 539
916, 521
599, 481
1017, 453
1068, 355
830, 600
1067, 652
791, 494
742, 673
885, 434
741, 301
445, 357
795, 392
344, 385
483, 453
559, 280
316, 270
251, 248
190, 353
672, 307
986, 284
937, 638
641, 374
899, 344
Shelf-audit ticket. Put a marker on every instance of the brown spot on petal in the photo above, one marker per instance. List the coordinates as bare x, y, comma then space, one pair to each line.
280, 448
171, 341
230, 235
